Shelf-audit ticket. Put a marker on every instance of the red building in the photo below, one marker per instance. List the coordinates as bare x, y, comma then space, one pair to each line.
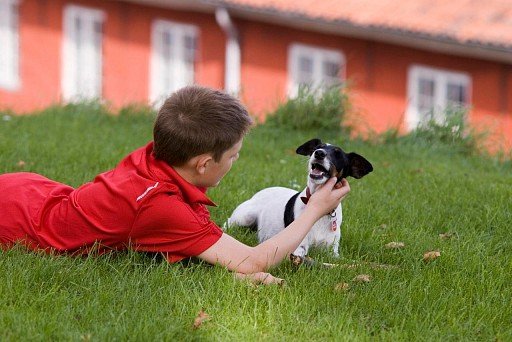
404, 61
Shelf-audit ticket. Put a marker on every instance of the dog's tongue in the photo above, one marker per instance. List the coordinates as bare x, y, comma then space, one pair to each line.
316, 172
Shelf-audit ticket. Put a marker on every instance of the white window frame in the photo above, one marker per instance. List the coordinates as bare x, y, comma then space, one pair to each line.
174, 72
9, 45
441, 78
318, 56
82, 65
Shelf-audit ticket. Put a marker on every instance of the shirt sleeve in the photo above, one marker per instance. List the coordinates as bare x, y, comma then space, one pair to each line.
168, 225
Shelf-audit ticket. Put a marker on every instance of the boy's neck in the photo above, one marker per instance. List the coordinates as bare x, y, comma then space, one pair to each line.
186, 173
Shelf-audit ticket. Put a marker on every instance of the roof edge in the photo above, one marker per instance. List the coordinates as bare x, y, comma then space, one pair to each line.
418, 40
413, 39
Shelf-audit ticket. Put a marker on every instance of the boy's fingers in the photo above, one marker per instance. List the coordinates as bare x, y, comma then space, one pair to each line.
330, 183
342, 188
270, 279
260, 278
340, 184
344, 183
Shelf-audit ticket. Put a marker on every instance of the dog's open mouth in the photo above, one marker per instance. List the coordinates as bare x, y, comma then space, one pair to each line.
318, 171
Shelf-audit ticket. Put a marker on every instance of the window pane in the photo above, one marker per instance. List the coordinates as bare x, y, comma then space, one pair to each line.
330, 69
78, 25
189, 43
456, 94
14, 17
9, 44
189, 51
80, 54
330, 74
174, 52
305, 71
426, 89
166, 55
82, 77
305, 65
166, 46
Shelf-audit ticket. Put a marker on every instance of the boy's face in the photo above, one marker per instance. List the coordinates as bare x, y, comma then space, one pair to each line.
215, 171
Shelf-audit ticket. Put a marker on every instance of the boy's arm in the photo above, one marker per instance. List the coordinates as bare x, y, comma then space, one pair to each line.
239, 257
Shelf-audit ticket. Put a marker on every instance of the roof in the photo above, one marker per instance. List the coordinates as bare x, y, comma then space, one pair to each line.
477, 27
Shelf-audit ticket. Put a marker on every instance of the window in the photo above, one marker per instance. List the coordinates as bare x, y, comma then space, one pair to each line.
9, 45
173, 58
82, 53
433, 92
313, 67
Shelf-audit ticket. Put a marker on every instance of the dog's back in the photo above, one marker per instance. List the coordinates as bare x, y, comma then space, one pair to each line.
255, 211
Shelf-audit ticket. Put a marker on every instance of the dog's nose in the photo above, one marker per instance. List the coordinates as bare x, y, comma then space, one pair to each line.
320, 154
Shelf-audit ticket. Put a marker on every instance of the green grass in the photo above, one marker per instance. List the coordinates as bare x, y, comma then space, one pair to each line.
415, 193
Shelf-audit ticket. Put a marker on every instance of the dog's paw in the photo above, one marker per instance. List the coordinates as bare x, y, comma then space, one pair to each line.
296, 260
308, 262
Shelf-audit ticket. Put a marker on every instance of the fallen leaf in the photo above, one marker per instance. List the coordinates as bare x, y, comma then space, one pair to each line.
395, 245
383, 226
21, 163
446, 236
362, 278
341, 287
430, 256
200, 319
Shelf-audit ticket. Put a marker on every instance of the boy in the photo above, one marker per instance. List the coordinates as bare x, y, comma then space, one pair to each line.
154, 200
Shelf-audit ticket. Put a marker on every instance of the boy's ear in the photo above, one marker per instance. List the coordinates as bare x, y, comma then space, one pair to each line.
202, 163
308, 147
359, 167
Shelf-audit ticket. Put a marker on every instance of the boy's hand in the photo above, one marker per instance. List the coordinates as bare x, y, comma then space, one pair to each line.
260, 278
328, 196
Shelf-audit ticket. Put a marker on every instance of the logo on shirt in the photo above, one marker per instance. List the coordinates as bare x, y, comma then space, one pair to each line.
146, 192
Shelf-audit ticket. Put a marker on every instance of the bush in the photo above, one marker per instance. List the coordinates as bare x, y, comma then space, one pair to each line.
453, 131
137, 109
309, 110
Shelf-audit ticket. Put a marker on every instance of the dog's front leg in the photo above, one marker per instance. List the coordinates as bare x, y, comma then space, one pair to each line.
301, 251
335, 248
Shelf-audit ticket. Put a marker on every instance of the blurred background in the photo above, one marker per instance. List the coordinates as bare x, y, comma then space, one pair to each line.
402, 64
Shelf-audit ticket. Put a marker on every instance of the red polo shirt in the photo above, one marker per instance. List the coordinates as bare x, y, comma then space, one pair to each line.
142, 204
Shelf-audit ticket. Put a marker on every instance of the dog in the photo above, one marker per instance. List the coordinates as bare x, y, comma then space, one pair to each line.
272, 209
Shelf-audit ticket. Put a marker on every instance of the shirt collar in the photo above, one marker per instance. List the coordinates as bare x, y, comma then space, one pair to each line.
165, 173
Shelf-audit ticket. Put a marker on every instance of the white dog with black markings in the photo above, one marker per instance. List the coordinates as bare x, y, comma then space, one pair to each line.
272, 209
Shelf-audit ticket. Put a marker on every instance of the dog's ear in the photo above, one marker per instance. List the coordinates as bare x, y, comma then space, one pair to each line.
359, 166
308, 147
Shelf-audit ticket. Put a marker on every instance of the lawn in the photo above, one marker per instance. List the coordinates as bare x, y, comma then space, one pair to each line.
418, 190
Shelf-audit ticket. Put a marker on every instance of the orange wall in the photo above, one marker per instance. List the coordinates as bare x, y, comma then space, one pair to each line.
126, 52
377, 77
377, 72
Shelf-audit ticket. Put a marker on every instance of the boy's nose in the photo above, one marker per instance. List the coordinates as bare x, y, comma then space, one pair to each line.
320, 154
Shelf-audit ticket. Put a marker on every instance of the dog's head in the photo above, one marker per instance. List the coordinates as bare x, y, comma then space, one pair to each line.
328, 161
